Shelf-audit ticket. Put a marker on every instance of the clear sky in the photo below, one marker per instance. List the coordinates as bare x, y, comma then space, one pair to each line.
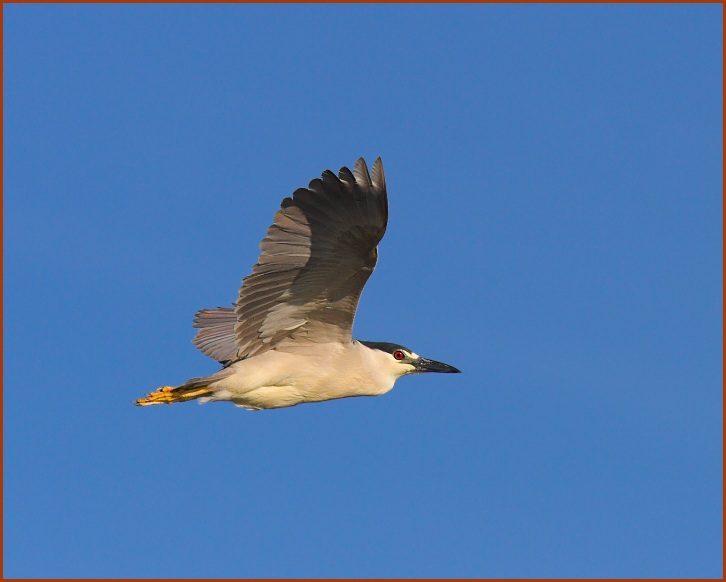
555, 186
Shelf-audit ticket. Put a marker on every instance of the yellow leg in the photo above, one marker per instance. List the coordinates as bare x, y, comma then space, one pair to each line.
169, 395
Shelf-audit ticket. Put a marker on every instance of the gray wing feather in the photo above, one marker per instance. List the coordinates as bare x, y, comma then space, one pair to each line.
216, 333
315, 260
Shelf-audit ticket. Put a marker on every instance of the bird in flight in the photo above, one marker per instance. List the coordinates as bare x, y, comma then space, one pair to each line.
287, 339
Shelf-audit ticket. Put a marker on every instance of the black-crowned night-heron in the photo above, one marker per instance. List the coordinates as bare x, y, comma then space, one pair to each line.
287, 340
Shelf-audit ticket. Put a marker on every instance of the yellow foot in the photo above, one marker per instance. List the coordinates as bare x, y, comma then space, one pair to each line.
163, 395
169, 395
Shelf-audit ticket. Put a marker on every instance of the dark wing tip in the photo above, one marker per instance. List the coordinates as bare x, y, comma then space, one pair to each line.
360, 170
379, 178
346, 176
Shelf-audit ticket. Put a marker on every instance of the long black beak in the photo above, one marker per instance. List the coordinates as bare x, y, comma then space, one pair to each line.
426, 365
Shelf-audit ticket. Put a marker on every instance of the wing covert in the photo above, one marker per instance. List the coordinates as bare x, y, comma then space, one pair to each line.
315, 260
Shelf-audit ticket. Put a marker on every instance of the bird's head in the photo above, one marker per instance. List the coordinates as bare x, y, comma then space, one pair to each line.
401, 361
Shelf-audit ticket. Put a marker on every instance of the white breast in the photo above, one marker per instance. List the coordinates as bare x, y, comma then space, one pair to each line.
314, 373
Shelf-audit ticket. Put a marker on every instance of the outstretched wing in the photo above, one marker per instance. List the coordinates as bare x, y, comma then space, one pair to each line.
216, 333
315, 260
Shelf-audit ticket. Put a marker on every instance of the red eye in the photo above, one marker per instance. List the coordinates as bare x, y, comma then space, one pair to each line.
399, 355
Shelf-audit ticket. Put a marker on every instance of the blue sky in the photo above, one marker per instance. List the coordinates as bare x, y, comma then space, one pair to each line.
555, 187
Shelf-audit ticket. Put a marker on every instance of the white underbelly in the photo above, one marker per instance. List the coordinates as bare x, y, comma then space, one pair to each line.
278, 397
277, 379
